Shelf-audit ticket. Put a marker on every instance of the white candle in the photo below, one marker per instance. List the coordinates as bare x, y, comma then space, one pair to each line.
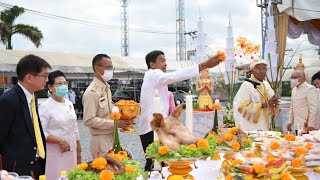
298, 130
189, 115
115, 109
156, 104
217, 102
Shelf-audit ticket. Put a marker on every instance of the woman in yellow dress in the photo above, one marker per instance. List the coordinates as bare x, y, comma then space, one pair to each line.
204, 85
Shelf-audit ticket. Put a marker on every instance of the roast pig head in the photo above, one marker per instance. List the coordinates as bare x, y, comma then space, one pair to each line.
170, 131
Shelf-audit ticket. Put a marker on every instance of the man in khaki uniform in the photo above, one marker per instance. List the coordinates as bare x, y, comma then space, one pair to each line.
97, 105
304, 103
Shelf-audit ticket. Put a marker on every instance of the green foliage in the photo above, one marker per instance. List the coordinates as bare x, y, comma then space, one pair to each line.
286, 89
137, 170
228, 120
79, 174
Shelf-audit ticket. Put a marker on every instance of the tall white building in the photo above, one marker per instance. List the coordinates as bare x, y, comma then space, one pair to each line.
230, 63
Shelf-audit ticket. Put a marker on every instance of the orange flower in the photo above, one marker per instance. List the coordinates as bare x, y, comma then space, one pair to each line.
258, 168
250, 155
211, 134
203, 143
219, 140
270, 156
234, 130
228, 136
296, 162
191, 146
82, 166
235, 146
229, 177
286, 176
117, 157
274, 145
309, 145
99, 163
163, 150
115, 116
175, 177
123, 154
221, 55
300, 151
236, 162
216, 107
106, 175
290, 137
247, 141
272, 159
129, 169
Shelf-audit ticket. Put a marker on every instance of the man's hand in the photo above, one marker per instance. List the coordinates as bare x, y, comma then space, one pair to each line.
212, 62
289, 127
273, 102
124, 123
311, 128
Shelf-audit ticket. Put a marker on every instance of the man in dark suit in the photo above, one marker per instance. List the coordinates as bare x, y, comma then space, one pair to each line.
22, 142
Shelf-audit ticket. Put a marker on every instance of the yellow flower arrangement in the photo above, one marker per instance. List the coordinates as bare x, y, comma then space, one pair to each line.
106, 175
219, 140
236, 162
258, 168
250, 155
228, 136
290, 137
123, 154
175, 177
191, 146
117, 157
300, 151
247, 141
229, 177
99, 163
129, 169
309, 145
203, 143
82, 166
211, 134
163, 150
296, 162
234, 130
236, 146
274, 145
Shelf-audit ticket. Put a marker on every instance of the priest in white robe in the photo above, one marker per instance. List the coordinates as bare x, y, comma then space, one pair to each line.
250, 106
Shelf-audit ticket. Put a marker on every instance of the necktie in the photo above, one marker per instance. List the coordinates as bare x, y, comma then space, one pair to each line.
40, 149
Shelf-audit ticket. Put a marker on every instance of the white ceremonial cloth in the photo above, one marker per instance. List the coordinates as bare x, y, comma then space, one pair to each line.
155, 79
59, 119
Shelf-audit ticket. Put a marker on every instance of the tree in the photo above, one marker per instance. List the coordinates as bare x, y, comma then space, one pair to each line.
8, 28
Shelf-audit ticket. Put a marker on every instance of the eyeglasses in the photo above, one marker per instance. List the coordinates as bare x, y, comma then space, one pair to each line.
260, 69
62, 83
107, 67
295, 77
40, 75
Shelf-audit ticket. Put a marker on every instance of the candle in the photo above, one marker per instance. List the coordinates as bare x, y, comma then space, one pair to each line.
217, 102
115, 109
298, 130
156, 104
189, 115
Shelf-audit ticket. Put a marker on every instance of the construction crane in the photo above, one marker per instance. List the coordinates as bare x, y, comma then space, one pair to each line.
124, 28
180, 31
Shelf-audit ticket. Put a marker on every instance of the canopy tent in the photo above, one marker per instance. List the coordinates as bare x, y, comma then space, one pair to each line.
68, 63
304, 18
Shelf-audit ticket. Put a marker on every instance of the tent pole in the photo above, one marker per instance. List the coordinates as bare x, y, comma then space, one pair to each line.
134, 87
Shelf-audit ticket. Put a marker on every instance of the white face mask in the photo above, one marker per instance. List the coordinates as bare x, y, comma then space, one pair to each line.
294, 83
107, 75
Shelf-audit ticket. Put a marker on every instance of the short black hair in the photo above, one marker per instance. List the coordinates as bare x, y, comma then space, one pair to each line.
96, 60
316, 76
53, 75
30, 64
152, 56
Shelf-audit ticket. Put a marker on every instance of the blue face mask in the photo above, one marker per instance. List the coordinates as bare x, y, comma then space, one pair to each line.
62, 90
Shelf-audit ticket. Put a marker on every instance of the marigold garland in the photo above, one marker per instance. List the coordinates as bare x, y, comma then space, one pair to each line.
236, 146
274, 145
99, 163
129, 169
219, 140
236, 162
163, 150
290, 137
82, 166
234, 130
191, 146
203, 143
106, 175
228, 136
296, 162
258, 168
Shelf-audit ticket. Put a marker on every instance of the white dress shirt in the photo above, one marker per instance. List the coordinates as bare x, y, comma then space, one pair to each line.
155, 79
304, 100
28, 96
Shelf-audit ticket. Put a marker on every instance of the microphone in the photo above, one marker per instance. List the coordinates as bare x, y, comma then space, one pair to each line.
254, 83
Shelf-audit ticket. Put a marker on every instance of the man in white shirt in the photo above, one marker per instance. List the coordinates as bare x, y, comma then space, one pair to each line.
154, 79
316, 82
304, 103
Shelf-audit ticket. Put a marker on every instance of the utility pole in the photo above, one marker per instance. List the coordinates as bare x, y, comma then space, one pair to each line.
124, 28
180, 30
263, 4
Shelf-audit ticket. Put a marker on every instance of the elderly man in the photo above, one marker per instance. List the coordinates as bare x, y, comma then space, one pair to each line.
304, 104
250, 105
